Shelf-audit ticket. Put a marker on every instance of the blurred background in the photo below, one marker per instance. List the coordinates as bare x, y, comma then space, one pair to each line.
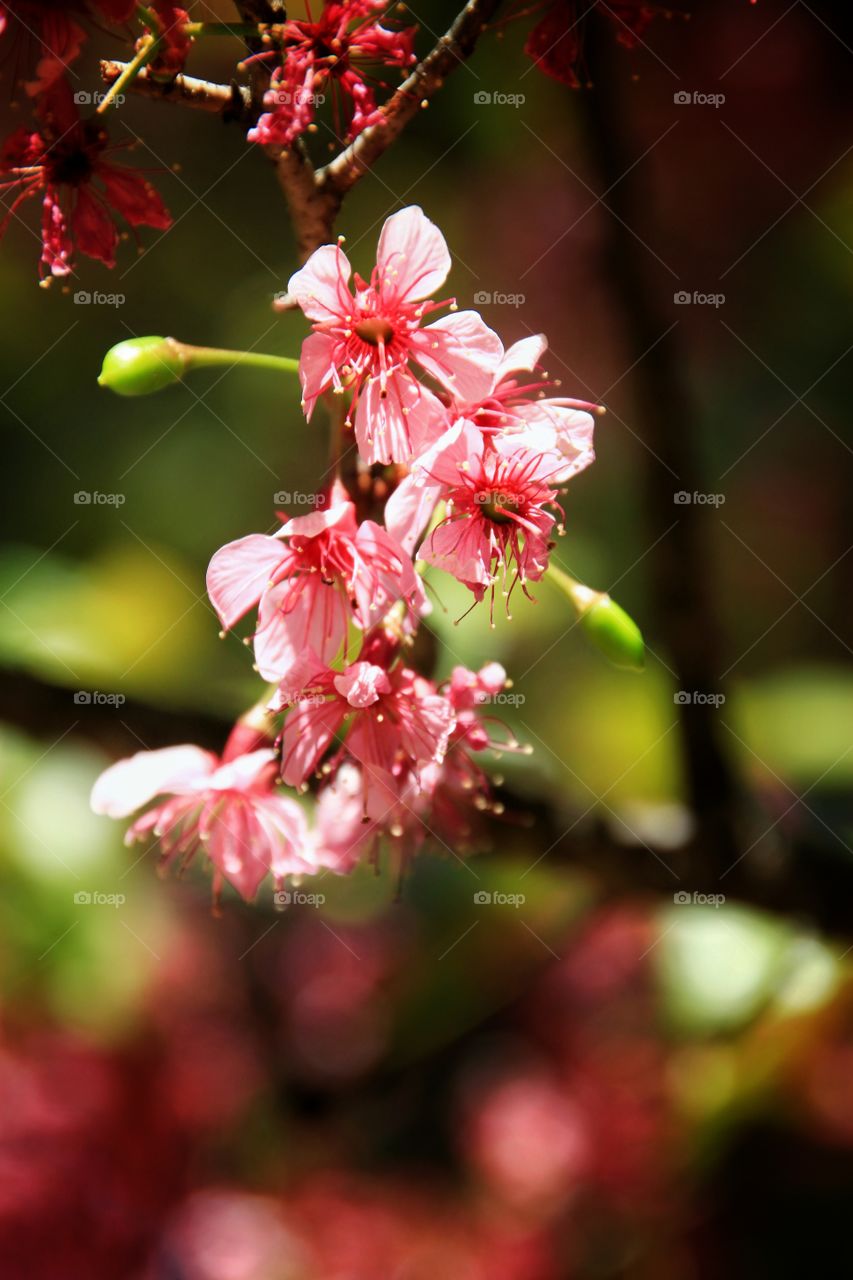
643, 1068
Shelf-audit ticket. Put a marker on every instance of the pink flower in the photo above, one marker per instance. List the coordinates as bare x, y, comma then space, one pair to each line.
63, 163
318, 572
228, 807
330, 53
395, 721
513, 409
367, 341
497, 523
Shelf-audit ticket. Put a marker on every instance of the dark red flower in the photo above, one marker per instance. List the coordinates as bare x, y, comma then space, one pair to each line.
48, 33
554, 44
63, 161
330, 53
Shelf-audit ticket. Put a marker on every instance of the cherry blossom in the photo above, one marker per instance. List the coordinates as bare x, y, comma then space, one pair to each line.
63, 162
366, 341
228, 807
316, 574
330, 53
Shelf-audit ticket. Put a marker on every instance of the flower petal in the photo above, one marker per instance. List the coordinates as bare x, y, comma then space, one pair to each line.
238, 574
131, 783
321, 286
412, 259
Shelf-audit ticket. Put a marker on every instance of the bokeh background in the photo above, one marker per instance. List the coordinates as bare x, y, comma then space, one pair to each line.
607, 1080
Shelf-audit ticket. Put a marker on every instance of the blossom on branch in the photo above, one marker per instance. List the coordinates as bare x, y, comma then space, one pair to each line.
48, 33
366, 340
64, 162
332, 54
318, 573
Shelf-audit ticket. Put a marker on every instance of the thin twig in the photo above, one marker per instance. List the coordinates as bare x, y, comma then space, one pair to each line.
230, 101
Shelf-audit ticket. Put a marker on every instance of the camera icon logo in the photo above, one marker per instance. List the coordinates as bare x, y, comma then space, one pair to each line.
482, 298
482, 898
83, 898
282, 898
682, 298
82, 499
681, 898
682, 698
82, 698
682, 498
681, 99
82, 298
482, 98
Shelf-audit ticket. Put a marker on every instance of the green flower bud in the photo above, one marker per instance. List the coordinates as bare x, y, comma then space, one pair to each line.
142, 365
614, 632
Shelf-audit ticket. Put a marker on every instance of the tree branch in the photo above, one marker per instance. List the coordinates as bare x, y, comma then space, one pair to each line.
229, 101
342, 173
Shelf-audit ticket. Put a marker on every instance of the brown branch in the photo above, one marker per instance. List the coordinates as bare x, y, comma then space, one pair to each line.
229, 101
342, 173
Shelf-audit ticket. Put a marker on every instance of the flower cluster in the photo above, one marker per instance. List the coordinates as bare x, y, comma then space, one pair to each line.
456, 436
329, 54
556, 42
61, 158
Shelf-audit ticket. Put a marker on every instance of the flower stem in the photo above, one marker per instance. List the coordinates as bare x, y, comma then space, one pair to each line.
198, 29
214, 357
146, 51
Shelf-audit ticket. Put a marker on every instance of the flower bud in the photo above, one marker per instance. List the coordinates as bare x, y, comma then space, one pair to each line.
614, 632
142, 365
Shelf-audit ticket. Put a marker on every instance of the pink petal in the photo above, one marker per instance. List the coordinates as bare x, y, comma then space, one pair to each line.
325, 517
131, 783
241, 774
381, 424
362, 684
236, 846
321, 286
408, 510
523, 356
239, 573
459, 547
317, 369
462, 353
412, 257
308, 729
318, 621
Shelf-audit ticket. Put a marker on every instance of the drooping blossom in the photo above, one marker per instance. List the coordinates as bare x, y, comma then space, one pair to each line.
498, 524
47, 33
514, 408
395, 720
556, 42
366, 341
228, 807
64, 163
318, 573
330, 54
